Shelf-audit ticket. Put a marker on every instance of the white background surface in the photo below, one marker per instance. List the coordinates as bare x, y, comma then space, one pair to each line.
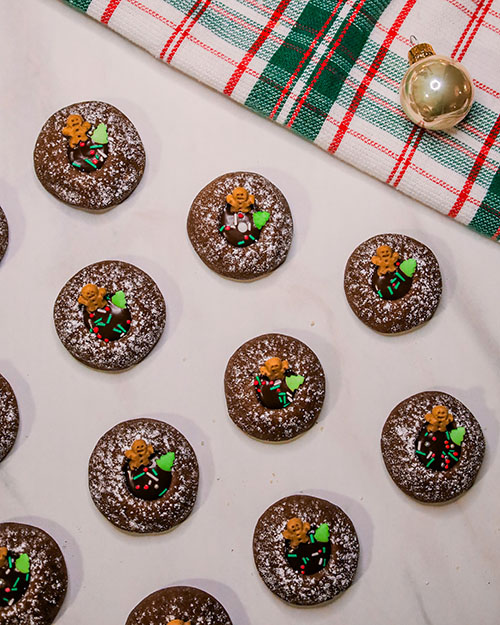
418, 564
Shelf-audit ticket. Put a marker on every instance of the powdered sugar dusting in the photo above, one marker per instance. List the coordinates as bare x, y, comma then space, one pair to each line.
246, 410
246, 263
269, 551
107, 482
179, 602
105, 187
144, 300
9, 417
48, 576
393, 316
398, 449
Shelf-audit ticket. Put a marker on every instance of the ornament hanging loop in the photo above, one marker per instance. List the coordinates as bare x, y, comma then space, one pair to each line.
413, 40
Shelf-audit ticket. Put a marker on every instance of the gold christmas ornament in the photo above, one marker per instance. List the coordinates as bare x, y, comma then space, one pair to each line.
436, 91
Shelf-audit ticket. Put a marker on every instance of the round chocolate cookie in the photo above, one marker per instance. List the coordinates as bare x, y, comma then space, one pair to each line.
33, 576
110, 315
89, 155
305, 549
432, 447
392, 283
179, 605
240, 226
143, 476
4, 234
9, 418
275, 387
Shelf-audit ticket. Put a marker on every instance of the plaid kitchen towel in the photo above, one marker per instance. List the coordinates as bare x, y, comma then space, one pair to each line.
330, 70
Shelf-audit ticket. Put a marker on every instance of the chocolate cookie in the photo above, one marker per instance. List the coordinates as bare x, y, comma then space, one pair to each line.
305, 549
392, 283
240, 226
9, 418
110, 315
33, 576
4, 234
89, 155
143, 476
432, 447
275, 387
179, 605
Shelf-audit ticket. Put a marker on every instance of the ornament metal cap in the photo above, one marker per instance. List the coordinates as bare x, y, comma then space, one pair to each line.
420, 51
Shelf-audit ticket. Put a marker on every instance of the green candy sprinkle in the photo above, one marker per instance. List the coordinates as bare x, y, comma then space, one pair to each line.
23, 563
100, 134
166, 461
119, 299
408, 267
322, 534
260, 219
457, 435
294, 381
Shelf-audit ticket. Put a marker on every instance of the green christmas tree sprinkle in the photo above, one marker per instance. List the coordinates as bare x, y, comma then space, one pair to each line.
23, 563
408, 267
294, 381
322, 534
119, 300
260, 219
166, 461
100, 134
457, 435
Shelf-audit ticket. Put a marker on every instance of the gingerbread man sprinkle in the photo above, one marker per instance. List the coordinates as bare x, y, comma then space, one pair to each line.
385, 259
76, 130
274, 368
178, 621
139, 454
438, 419
240, 200
3, 556
296, 532
92, 297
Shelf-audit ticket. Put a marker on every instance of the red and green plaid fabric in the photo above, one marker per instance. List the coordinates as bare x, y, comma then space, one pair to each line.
330, 70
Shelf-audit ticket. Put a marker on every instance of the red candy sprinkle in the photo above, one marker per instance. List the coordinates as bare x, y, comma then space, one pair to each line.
91, 315
146, 487
96, 329
7, 590
433, 438
145, 469
106, 340
92, 152
227, 228
82, 143
240, 215
137, 487
246, 237
94, 160
128, 320
99, 336
107, 309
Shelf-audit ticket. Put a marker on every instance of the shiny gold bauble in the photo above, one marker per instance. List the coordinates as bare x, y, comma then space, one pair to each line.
436, 92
